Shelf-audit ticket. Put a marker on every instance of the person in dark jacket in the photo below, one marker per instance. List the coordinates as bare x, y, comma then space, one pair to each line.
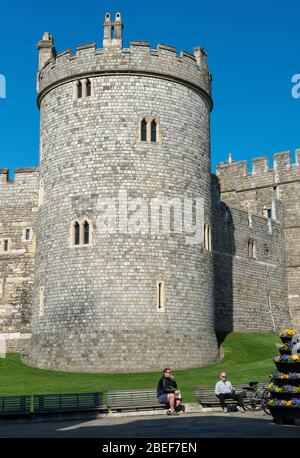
166, 391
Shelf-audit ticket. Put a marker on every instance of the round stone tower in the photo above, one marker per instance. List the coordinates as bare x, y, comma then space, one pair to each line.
125, 140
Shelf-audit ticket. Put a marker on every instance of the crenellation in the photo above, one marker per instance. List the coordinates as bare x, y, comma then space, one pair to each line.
140, 43
26, 170
189, 56
236, 175
259, 165
233, 170
92, 61
86, 46
282, 161
23, 176
139, 52
201, 58
26, 177
4, 176
63, 57
169, 48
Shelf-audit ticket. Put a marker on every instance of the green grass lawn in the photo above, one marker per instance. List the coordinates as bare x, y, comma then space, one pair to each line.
247, 357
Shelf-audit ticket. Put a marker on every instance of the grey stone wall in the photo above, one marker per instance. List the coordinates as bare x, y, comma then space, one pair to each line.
248, 289
254, 190
18, 209
188, 69
94, 308
100, 310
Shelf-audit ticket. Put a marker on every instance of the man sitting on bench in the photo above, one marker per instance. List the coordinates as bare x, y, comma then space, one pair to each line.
224, 390
166, 391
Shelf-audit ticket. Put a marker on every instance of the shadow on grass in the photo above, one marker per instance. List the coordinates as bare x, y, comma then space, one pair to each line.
221, 336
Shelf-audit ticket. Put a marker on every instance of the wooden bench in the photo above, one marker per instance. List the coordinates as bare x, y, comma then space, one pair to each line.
206, 395
15, 405
133, 400
72, 402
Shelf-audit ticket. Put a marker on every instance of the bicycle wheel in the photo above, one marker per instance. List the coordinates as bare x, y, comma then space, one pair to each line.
264, 401
254, 402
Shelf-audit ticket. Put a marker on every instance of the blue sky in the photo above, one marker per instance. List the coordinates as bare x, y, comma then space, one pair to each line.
253, 50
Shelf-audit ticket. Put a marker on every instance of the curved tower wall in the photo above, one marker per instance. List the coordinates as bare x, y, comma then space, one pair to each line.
95, 307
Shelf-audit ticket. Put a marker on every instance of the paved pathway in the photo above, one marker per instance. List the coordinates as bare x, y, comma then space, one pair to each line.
205, 425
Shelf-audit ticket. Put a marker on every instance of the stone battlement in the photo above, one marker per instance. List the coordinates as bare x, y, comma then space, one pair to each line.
21, 176
236, 174
163, 62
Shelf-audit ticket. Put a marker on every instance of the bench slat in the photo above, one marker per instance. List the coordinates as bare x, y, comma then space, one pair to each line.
206, 395
135, 399
68, 402
15, 405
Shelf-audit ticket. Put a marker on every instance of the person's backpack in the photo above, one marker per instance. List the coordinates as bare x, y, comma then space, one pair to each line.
232, 408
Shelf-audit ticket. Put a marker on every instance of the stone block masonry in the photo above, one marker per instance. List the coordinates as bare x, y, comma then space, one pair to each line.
250, 287
95, 302
254, 192
18, 211
95, 307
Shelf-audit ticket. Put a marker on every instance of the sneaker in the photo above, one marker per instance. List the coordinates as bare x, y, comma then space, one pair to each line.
225, 410
170, 412
241, 409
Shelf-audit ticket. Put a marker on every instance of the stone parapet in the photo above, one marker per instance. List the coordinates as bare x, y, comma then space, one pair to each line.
185, 68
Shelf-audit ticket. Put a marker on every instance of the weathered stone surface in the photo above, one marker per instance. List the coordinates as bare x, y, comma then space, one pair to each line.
250, 293
18, 209
254, 192
94, 308
100, 310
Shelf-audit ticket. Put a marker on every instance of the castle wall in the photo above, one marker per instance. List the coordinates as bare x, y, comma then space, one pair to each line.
95, 307
188, 69
99, 309
243, 285
252, 191
248, 289
18, 209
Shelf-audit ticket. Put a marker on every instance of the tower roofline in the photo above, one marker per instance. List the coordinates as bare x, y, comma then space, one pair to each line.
140, 59
236, 176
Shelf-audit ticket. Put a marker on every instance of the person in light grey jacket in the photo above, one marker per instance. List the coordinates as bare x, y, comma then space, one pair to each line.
224, 390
